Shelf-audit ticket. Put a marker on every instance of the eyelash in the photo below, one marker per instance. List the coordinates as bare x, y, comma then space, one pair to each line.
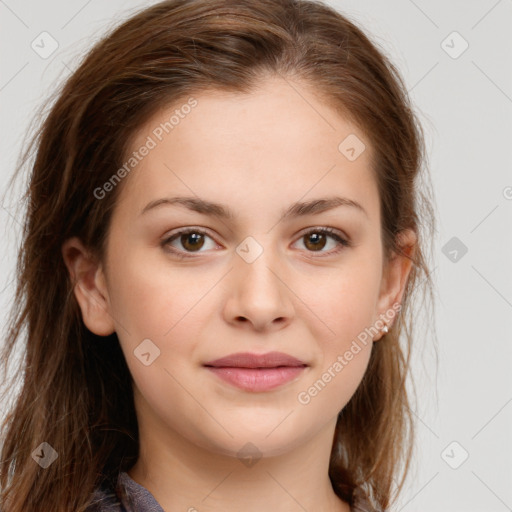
342, 242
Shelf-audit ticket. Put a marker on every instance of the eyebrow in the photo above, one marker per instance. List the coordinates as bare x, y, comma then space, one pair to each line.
297, 209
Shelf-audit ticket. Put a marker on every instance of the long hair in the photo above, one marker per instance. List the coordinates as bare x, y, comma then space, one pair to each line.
75, 387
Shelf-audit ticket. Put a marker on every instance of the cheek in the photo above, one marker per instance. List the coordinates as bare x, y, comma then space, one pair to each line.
160, 304
333, 385
170, 307
151, 299
345, 302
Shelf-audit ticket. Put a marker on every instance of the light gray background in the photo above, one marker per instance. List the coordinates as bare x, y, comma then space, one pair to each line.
465, 105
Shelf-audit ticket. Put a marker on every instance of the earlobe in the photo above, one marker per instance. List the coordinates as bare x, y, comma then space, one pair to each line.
394, 281
89, 287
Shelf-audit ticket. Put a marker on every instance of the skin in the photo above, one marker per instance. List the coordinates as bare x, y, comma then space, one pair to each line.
256, 154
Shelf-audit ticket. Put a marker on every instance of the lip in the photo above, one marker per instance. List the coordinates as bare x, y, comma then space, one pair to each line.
248, 360
257, 372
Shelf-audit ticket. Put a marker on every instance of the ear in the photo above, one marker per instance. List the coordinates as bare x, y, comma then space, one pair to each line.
395, 275
89, 287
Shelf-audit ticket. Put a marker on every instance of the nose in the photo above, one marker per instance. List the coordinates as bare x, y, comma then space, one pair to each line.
259, 297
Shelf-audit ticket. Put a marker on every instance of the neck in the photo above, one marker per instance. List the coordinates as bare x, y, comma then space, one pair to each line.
183, 476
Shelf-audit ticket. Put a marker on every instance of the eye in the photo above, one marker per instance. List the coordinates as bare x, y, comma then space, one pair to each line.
190, 240
316, 239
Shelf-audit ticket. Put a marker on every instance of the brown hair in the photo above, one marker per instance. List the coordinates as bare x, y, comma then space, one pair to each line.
73, 387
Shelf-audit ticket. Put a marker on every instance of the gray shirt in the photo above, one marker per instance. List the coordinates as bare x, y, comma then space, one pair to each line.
129, 496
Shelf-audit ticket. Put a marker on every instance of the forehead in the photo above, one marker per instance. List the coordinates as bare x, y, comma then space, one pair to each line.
278, 143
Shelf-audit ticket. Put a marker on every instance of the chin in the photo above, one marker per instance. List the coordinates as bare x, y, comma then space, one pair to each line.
262, 440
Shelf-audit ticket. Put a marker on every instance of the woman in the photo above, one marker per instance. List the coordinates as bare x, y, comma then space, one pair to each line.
221, 245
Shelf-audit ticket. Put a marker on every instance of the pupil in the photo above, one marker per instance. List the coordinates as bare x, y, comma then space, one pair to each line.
190, 240
316, 237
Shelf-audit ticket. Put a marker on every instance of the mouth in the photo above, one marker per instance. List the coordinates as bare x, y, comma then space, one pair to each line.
257, 372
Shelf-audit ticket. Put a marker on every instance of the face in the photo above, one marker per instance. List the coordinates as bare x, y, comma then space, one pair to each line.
210, 255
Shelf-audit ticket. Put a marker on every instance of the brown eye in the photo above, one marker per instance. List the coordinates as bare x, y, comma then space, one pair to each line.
315, 241
192, 241
188, 241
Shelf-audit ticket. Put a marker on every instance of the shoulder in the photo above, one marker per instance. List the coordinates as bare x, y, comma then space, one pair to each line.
104, 499
127, 490
128, 496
